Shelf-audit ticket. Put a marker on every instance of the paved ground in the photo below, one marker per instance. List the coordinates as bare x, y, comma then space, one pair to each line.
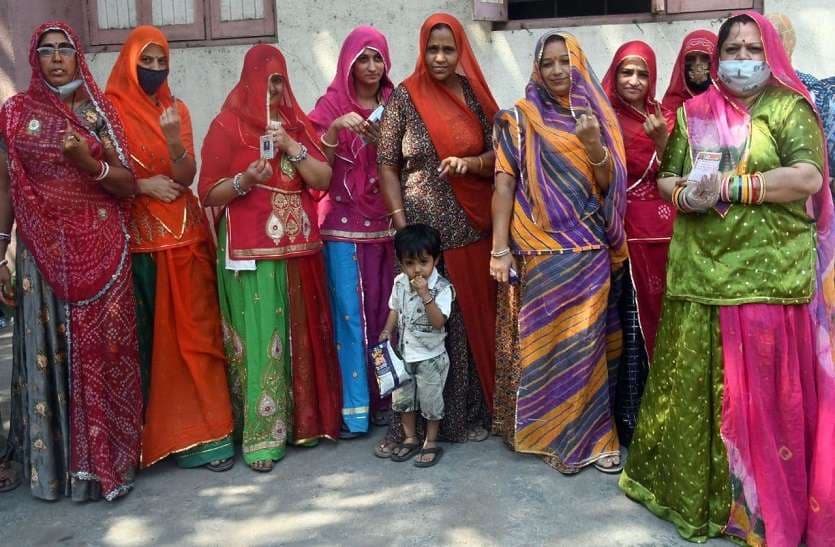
480, 494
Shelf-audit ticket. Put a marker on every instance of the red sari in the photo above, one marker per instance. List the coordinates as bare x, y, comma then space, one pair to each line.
188, 396
455, 130
76, 232
277, 221
649, 218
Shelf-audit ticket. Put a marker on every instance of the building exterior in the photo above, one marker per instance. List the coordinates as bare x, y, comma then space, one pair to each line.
310, 32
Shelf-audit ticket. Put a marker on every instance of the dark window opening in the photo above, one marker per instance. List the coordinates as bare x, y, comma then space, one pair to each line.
544, 9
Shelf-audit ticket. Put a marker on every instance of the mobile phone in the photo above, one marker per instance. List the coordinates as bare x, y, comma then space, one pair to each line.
512, 277
267, 147
377, 115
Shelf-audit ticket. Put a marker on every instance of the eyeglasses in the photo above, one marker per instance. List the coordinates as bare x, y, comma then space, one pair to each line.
49, 51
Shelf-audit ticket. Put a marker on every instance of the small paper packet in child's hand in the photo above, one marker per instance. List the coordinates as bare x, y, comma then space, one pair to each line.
388, 367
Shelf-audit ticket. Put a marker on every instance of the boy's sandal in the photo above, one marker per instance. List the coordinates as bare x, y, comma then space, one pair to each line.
411, 450
436, 451
219, 466
262, 466
477, 434
609, 464
383, 449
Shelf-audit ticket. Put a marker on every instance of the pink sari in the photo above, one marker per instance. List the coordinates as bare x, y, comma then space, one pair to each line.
778, 415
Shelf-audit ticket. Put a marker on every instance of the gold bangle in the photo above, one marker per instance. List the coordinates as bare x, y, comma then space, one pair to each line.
480, 163
601, 162
326, 143
400, 210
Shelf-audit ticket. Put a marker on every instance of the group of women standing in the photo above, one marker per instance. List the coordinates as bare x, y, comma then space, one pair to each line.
579, 251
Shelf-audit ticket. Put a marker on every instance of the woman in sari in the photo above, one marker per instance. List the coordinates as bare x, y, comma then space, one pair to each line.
187, 407
737, 422
630, 85
691, 72
283, 370
354, 221
435, 167
558, 210
76, 395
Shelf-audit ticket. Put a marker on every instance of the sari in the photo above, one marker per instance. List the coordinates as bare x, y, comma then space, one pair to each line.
559, 334
698, 41
356, 228
722, 447
277, 330
187, 406
649, 227
455, 131
78, 433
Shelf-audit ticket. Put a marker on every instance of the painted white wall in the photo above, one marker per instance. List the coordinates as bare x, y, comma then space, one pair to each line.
310, 33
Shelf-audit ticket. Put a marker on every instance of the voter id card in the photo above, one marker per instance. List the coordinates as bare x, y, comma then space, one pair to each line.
377, 115
267, 147
705, 164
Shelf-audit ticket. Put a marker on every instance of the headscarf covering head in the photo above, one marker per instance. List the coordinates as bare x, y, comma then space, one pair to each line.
786, 31
339, 99
51, 196
139, 111
699, 41
453, 127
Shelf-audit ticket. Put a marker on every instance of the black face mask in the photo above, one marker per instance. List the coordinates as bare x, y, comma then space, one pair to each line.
151, 80
697, 76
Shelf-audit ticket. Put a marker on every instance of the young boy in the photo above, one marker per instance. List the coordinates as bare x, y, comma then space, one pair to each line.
419, 306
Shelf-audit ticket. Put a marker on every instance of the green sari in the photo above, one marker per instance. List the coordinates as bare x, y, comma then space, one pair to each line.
678, 465
254, 306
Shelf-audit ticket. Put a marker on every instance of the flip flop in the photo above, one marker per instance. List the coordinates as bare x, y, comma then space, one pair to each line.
261, 469
10, 477
220, 466
477, 434
412, 449
613, 469
383, 450
436, 450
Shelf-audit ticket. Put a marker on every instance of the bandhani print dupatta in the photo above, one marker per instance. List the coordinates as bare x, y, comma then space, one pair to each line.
76, 233
719, 122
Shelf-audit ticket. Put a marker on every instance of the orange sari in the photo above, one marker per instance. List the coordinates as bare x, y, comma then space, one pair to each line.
187, 399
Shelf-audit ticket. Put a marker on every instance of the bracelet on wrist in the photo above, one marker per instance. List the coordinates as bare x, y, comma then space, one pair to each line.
5, 237
301, 156
602, 162
181, 157
499, 254
103, 172
427, 301
326, 144
4, 262
236, 185
398, 210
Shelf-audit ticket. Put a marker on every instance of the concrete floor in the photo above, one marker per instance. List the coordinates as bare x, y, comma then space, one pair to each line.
479, 494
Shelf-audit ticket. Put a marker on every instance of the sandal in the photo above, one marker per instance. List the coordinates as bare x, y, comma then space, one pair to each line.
384, 449
381, 418
435, 451
219, 466
609, 464
410, 448
9, 478
262, 466
477, 434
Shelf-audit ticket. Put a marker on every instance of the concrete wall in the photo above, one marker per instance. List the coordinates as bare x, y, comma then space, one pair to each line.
311, 31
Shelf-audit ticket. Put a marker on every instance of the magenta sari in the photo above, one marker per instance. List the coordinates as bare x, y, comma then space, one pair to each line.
778, 414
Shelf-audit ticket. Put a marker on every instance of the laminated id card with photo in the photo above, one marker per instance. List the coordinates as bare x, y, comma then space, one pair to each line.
705, 164
267, 147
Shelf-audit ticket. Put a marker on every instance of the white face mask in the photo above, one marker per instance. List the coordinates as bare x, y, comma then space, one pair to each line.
66, 89
744, 77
